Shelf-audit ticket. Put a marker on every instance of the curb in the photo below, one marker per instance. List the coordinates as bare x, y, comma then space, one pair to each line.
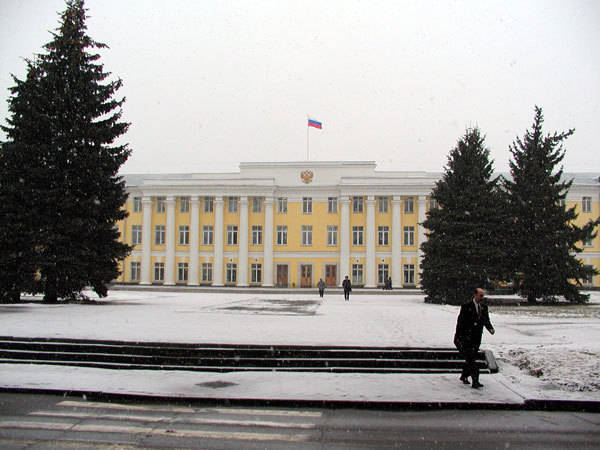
526, 405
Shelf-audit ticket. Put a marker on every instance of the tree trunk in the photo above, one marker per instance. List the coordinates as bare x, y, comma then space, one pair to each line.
50, 292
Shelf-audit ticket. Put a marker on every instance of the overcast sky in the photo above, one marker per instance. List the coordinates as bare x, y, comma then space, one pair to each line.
210, 84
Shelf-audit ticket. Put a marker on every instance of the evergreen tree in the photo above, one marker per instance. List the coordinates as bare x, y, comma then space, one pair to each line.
18, 193
464, 247
61, 143
545, 237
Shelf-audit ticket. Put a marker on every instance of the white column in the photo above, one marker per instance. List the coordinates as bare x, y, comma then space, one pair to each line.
344, 239
371, 269
243, 244
421, 218
218, 253
194, 240
171, 232
396, 241
146, 240
268, 243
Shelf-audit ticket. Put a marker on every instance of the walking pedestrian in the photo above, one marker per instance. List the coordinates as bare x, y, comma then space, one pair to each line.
347, 285
472, 318
321, 286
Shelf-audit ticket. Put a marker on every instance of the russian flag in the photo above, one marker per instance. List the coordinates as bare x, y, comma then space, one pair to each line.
315, 124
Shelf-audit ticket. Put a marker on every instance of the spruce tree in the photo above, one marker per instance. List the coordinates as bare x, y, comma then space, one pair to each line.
18, 191
545, 237
61, 137
464, 247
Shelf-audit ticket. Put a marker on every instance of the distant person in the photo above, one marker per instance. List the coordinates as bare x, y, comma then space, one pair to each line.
472, 318
347, 285
388, 283
321, 286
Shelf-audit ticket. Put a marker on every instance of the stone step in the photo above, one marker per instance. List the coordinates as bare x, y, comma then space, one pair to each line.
218, 357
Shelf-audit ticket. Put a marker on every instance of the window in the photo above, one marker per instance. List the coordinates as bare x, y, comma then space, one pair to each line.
383, 272
160, 204
232, 234
409, 274
136, 234
184, 204
255, 273
159, 235
306, 234
332, 234
357, 274
433, 204
206, 274
137, 204
383, 235
383, 205
357, 204
409, 235
136, 270
409, 205
587, 241
281, 205
184, 235
281, 234
231, 273
232, 204
307, 205
208, 204
182, 272
586, 204
207, 235
257, 204
256, 234
357, 235
159, 271
332, 205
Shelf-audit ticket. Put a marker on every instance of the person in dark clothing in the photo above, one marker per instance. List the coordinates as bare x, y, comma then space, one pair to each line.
472, 318
321, 286
347, 285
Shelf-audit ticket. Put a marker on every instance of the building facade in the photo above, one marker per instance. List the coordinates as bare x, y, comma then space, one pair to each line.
289, 224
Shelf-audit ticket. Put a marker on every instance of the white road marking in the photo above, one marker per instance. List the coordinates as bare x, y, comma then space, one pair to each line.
55, 426
173, 409
171, 419
176, 409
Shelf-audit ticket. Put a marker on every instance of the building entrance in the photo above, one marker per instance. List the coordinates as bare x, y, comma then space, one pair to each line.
282, 275
305, 275
330, 274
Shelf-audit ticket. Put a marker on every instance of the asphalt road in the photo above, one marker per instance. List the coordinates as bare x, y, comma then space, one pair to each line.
44, 421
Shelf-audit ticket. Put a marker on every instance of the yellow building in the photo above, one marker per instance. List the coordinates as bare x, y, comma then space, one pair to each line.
290, 224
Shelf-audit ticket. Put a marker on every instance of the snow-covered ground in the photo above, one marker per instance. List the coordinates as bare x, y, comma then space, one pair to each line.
544, 352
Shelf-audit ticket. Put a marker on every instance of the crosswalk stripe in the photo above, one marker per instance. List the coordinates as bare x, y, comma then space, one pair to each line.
185, 433
176, 409
191, 420
173, 409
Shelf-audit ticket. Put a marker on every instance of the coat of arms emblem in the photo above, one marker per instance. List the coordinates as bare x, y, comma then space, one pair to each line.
306, 176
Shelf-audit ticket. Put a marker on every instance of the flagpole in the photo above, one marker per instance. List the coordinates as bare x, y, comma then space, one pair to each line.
307, 130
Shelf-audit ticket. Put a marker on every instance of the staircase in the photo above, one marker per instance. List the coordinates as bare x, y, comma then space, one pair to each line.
228, 357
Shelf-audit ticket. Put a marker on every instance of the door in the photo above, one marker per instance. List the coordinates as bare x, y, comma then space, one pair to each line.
331, 275
282, 275
305, 276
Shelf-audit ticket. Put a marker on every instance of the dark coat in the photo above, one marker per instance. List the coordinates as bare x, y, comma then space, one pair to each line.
469, 326
347, 285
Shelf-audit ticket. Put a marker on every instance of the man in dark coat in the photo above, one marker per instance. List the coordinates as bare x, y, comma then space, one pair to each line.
469, 328
347, 285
